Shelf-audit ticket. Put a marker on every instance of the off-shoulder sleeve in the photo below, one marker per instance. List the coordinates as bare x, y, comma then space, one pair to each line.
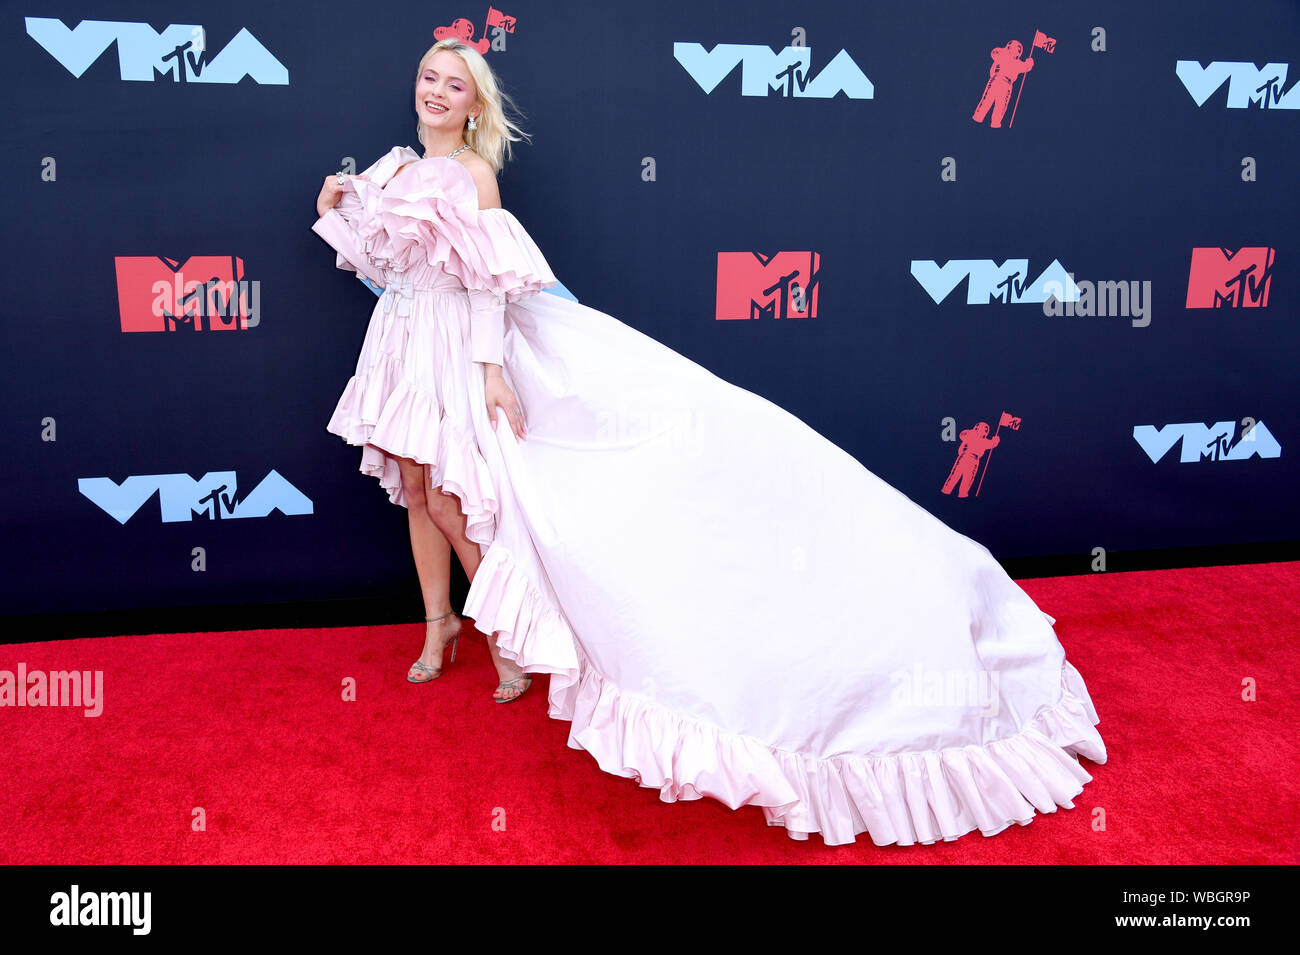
506, 259
336, 229
338, 226
431, 219
502, 265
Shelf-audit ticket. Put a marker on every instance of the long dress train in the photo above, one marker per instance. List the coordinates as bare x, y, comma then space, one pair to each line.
728, 604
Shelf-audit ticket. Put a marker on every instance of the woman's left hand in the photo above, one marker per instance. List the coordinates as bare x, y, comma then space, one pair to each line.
498, 394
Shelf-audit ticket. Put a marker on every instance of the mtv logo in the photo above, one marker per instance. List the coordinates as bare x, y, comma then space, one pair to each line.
495, 18
758, 285
215, 496
203, 293
1222, 278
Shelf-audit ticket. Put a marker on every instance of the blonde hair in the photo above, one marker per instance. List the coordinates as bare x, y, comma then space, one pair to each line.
495, 131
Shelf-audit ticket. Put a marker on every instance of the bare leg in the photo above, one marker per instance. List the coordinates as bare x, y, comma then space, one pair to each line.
432, 556
445, 513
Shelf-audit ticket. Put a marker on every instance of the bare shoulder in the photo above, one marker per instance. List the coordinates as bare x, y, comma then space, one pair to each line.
485, 179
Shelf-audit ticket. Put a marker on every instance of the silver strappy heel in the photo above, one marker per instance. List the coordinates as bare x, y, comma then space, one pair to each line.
432, 671
514, 685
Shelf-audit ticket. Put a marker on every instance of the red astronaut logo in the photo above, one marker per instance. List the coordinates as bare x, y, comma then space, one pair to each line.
463, 30
976, 447
1222, 278
760, 285
1006, 70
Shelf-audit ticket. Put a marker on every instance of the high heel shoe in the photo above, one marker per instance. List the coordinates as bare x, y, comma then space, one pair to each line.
432, 671
514, 685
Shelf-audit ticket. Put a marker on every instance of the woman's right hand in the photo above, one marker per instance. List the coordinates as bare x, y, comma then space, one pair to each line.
498, 394
330, 193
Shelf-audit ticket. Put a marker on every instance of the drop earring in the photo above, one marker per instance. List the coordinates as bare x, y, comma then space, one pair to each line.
472, 124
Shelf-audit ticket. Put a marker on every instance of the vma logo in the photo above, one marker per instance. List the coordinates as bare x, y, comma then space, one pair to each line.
143, 54
756, 285
214, 496
1222, 278
986, 281
153, 294
762, 72
1247, 85
1222, 441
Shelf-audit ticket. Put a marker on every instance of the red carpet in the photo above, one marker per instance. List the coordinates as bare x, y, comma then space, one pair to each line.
252, 728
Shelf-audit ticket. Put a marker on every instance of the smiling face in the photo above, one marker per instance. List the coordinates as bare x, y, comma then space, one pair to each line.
445, 95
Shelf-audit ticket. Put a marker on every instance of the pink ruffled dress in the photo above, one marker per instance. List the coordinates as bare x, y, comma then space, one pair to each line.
728, 604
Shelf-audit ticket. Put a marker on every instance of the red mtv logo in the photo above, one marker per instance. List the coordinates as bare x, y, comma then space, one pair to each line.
1221, 278
205, 293
754, 285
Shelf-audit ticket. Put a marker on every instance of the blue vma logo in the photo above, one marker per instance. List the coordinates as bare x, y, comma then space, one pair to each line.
143, 53
1249, 87
987, 281
1221, 441
762, 72
214, 496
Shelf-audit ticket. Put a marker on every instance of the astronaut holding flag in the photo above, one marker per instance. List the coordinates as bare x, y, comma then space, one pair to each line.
1007, 67
975, 443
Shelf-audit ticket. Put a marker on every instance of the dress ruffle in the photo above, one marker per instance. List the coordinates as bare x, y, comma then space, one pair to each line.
389, 416
423, 217
506, 259
531, 631
900, 799
903, 799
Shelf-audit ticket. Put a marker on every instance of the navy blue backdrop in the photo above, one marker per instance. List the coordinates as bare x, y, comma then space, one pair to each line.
673, 155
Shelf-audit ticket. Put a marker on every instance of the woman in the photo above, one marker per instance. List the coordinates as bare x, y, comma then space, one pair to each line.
728, 604
446, 102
